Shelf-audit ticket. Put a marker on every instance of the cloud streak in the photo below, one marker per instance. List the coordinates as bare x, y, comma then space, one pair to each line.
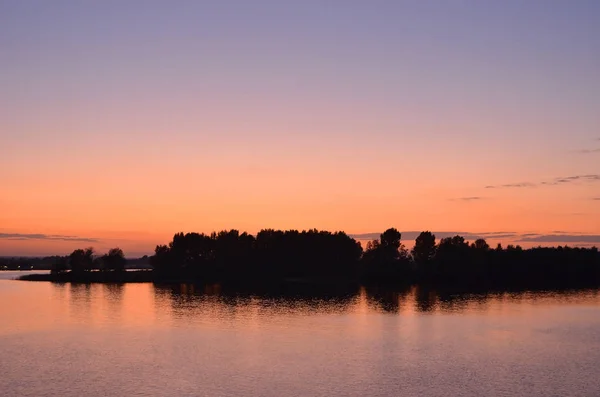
575, 178
563, 238
50, 237
471, 198
555, 238
590, 178
512, 185
589, 151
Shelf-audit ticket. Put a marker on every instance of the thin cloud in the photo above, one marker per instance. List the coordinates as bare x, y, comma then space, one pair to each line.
589, 151
596, 198
573, 178
472, 198
512, 185
563, 238
51, 237
367, 236
553, 182
490, 236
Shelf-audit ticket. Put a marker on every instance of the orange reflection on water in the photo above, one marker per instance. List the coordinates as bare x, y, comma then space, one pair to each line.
30, 307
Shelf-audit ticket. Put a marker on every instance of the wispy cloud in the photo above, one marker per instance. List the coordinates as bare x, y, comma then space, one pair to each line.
596, 198
588, 151
471, 198
39, 236
574, 178
551, 182
511, 185
563, 238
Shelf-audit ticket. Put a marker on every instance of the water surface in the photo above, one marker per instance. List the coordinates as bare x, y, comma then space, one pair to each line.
146, 340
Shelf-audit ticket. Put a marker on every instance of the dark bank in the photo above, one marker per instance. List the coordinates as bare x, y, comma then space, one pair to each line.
316, 257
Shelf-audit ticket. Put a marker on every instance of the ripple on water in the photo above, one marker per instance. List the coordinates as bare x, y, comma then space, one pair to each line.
145, 340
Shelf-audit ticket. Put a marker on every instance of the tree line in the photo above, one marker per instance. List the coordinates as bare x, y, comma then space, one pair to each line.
27, 263
334, 257
271, 254
455, 261
85, 260
325, 256
107, 262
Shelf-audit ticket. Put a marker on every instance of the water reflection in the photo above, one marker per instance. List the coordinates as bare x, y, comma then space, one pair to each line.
80, 301
213, 304
216, 302
185, 299
113, 296
156, 340
386, 300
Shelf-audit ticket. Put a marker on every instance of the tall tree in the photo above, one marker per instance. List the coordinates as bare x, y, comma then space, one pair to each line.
424, 249
391, 238
481, 244
114, 260
81, 260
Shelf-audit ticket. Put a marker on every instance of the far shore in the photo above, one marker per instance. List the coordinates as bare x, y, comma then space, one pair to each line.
138, 276
307, 285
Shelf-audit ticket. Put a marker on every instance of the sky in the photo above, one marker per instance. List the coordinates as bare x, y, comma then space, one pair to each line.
123, 122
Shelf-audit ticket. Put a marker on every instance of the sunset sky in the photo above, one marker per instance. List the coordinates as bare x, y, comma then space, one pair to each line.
123, 122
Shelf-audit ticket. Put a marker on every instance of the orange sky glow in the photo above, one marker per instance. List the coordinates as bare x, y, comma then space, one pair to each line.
411, 117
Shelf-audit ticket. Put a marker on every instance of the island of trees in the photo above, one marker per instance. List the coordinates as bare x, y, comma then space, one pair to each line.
315, 256
85, 266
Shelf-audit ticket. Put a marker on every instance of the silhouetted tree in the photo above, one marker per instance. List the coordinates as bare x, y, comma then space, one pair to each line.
481, 244
81, 260
160, 261
273, 254
452, 258
114, 260
424, 250
386, 259
391, 239
277, 255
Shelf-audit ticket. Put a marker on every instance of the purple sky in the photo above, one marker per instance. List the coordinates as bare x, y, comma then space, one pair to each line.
127, 121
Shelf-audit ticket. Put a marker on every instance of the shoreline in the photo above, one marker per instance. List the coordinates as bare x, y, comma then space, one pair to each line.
137, 276
331, 286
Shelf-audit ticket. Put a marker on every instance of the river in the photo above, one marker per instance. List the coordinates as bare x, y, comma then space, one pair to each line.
146, 340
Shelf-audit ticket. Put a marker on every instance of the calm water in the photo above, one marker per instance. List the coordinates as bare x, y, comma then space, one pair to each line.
143, 340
